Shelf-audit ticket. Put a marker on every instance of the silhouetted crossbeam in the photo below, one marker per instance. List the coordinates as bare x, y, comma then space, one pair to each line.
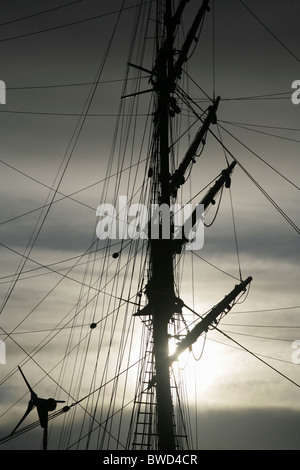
190, 38
203, 325
177, 179
209, 197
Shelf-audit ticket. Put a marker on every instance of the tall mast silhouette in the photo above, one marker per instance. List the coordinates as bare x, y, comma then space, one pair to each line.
162, 301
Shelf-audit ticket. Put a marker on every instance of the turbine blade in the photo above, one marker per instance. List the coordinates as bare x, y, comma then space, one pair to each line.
29, 408
33, 394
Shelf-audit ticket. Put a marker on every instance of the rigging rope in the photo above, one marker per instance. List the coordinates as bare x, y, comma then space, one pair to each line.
259, 157
270, 199
64, 196
259, 358
127, 331
235, 236
241, 126
214, 51
269, 31
32, 15
67, 158
214, 327
53, 28
51, 338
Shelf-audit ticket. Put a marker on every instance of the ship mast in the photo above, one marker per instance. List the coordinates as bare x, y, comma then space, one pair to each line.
160, 289
161, 284
162, 301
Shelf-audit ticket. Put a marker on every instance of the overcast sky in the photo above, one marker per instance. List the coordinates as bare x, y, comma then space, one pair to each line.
48, 71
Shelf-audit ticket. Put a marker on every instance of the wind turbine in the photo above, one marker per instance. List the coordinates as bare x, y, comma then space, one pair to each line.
43, 405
